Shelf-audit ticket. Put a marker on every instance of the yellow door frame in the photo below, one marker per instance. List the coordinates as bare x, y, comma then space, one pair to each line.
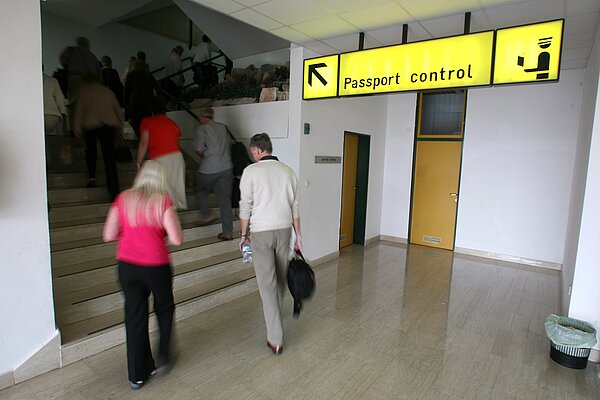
427, 136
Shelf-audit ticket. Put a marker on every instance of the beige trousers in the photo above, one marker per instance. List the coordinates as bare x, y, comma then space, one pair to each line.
175, 178
51, 123
270, 255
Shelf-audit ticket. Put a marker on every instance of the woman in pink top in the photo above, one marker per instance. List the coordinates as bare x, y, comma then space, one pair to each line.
139, 219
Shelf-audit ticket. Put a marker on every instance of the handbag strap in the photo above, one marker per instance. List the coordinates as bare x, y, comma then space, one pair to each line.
299, 254
230, 134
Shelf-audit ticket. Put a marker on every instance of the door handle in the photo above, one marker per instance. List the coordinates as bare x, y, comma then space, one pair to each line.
455, 195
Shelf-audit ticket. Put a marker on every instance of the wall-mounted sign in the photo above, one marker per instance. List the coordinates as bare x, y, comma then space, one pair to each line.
529, 53
328, 160
320, 77
457, 61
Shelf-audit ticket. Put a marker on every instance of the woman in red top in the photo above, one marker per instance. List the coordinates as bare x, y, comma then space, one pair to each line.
139, 219
160, 138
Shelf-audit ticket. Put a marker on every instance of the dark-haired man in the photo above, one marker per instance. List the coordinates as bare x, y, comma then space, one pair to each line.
98, 116
111, 79
269, 209
79, 61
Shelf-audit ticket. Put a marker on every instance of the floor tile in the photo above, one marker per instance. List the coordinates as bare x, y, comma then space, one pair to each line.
387, 321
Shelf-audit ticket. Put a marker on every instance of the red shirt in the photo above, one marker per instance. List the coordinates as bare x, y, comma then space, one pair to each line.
143, 244
163, 135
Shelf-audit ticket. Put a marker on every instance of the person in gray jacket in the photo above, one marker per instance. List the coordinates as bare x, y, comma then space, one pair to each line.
213, 145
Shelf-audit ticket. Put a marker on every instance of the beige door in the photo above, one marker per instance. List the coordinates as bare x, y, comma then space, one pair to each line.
348, 189
435, 193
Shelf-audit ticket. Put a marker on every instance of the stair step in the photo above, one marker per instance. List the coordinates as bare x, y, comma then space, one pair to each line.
91, 234
56, 181
99, 299
79, 222
78, 156
74, 261
78, 349
106, 274
110, 319
78, 215
65, 179
85, 280
72, 307
89, 304
79, 165
83, 214
78, 196
64, 295
60, 198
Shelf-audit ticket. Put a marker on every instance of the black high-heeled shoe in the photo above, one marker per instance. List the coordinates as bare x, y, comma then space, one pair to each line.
138, 384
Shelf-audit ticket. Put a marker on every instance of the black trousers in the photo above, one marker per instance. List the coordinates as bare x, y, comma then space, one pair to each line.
106, 136
137, 283
135, 120
205, 75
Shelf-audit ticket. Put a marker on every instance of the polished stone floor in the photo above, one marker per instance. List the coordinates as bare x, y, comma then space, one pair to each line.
387, 322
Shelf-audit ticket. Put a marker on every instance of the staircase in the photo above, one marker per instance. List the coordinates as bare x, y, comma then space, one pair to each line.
87, 299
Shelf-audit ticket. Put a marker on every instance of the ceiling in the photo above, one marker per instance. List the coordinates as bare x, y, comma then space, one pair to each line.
333, 26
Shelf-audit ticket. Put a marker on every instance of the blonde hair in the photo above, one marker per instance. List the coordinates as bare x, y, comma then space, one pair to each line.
144, 203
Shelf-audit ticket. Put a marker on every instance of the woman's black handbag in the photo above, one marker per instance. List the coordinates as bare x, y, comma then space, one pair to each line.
301, 281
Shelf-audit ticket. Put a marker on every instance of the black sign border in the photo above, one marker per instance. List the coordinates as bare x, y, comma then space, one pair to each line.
562, 41
492, 69
337, 78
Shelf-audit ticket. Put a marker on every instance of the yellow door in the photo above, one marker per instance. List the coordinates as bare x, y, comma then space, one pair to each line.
435, 193
348, 189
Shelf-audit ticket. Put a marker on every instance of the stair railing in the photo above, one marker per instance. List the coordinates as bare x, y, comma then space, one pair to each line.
210, 61
183, 60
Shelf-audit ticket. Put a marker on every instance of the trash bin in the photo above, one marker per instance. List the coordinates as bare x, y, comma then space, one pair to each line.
571, 340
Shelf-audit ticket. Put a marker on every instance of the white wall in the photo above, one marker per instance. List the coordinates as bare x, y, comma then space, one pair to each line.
398, 165
118, 41
516, 171
585, 296
517, 168
321, 183
26, 303
295, 126
244, 121
586, 125
277, 57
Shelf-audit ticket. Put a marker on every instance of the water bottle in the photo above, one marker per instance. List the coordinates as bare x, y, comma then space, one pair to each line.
246, 253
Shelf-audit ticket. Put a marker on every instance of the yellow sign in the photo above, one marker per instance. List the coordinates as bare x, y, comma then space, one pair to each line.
320, 77
529, 53
457, 61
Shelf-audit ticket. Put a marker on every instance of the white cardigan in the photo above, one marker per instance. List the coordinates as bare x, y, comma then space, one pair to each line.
269, 196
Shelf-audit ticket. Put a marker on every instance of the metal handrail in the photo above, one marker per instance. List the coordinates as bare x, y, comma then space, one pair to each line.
191, 67
188, 58
181, 104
